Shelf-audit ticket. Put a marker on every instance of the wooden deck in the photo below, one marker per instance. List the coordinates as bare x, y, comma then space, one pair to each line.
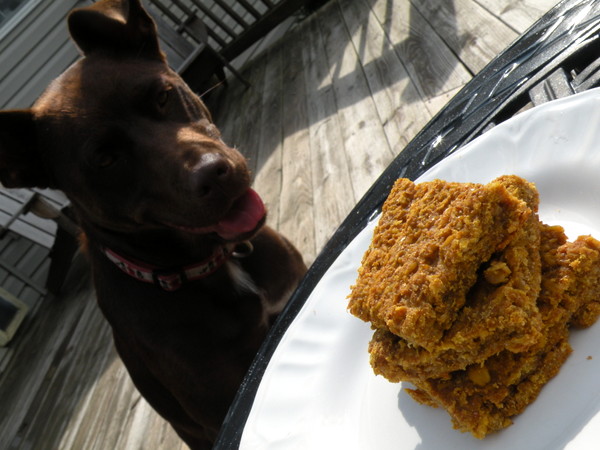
332, 101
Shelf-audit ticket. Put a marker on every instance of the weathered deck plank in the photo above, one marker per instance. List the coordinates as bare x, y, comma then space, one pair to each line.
365, 142
332, 184
433, 67
518, 14
38, 351
269, 151
395, 94
85, 352
471, 31
331, 103
296, 207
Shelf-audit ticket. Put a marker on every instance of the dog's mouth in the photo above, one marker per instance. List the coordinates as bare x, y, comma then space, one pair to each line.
245, 216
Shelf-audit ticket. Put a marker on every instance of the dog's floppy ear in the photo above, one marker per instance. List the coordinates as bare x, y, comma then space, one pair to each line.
119, 27
20, 164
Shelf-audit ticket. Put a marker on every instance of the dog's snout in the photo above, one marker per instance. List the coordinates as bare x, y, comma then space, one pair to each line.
211, 172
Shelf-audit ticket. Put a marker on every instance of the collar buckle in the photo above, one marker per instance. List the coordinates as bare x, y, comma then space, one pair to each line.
169, 280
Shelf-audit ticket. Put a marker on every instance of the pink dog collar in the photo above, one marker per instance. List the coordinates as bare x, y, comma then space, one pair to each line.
171, 279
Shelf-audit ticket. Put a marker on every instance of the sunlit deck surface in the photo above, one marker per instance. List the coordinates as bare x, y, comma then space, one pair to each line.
334, 96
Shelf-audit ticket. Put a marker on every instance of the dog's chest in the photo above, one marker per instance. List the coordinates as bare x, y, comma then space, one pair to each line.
227, 305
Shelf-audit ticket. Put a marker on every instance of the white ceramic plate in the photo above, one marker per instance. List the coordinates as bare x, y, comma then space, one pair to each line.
319, 392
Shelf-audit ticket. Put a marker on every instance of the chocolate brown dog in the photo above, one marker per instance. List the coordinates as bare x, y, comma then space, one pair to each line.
168, 214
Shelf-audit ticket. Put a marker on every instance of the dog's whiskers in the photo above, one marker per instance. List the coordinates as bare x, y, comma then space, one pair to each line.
220, 83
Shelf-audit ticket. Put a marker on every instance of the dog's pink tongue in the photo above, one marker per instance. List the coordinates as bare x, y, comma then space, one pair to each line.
244, 216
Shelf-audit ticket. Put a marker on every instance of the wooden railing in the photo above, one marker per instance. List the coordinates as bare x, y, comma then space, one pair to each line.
217, 31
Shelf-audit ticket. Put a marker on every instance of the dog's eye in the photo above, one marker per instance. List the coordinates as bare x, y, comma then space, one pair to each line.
104, 158
163, 97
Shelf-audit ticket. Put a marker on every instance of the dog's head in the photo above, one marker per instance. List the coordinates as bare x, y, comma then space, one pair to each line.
125, 138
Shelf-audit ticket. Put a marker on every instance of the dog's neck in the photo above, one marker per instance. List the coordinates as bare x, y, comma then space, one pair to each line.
159, 248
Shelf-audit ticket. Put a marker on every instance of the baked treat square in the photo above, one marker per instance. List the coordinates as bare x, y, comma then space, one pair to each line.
500, 311
425, 254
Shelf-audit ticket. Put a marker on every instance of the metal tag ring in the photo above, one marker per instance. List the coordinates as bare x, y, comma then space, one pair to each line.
242, 250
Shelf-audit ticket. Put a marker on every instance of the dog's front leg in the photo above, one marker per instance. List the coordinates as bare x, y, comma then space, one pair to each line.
162, 400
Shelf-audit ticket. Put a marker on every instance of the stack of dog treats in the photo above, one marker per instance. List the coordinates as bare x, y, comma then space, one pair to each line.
471, 296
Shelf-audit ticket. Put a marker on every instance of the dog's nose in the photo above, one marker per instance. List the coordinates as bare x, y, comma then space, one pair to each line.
209, 173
